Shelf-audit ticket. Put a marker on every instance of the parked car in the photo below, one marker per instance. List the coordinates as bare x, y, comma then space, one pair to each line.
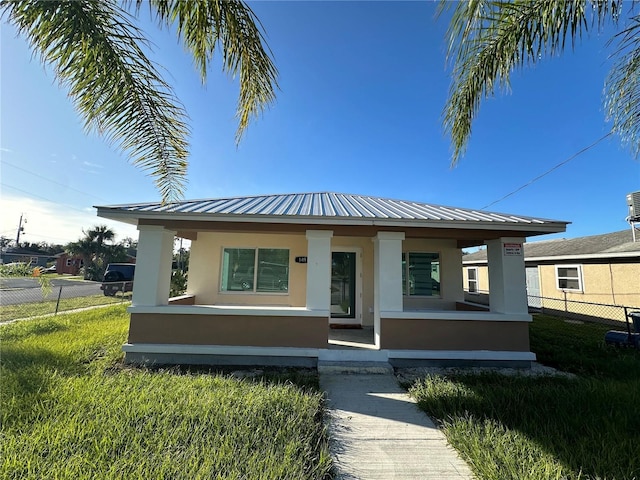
118, 277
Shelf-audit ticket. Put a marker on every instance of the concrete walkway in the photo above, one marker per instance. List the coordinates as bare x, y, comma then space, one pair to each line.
377, 432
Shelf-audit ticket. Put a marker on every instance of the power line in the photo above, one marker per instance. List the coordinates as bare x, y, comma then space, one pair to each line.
43, 198
550, 170
53, 181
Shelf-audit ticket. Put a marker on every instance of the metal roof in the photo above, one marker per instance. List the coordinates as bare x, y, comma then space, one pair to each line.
608, 245
320, 205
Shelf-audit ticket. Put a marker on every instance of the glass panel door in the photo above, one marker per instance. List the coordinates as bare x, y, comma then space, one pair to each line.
343, 285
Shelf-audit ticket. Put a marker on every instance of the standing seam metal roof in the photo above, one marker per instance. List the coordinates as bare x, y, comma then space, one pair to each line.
330, 205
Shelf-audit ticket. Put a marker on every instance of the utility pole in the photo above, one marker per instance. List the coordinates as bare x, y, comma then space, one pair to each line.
20, 229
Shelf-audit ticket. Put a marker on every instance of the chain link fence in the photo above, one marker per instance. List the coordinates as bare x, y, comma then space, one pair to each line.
602, 313
33, 301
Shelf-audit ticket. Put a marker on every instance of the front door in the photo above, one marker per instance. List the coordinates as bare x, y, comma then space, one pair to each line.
343, 288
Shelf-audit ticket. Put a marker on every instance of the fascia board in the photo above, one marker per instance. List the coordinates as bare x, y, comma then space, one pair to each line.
133, 216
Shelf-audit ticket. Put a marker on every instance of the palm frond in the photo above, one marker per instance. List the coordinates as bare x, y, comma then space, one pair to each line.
231, 25
622, 87
490, 39
95, 51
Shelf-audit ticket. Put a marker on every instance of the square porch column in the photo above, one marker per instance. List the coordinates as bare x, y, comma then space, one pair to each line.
319, 269
153, 266
387, 276
507, 282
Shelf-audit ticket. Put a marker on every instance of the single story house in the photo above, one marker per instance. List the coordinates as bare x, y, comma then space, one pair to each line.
21, 255
69, 264
570, 274
270, 275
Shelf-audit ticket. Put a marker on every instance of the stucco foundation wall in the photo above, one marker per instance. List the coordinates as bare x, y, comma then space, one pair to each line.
244, 330
183, 300
419, 334
615, 284
205, 268
450, 274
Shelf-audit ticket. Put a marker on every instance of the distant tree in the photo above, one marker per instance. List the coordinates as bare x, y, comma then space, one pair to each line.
97, 52
489, 39
180, 272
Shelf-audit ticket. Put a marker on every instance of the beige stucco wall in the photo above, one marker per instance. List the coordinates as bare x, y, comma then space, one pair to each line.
205, 269
616, 284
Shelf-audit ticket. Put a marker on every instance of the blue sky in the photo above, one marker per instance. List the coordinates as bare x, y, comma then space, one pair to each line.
363, 85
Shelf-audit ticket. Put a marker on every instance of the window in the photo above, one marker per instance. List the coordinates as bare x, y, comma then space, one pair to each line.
421, 274
68, 263
472, 279
569, 277
255, 270
33, 261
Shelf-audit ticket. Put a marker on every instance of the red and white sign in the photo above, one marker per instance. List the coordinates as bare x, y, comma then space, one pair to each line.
511, 249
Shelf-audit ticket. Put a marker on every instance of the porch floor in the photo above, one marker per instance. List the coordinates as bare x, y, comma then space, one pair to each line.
351, 338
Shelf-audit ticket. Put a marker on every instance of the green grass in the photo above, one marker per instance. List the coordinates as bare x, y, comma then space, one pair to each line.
28, 310
546, 428
70, 409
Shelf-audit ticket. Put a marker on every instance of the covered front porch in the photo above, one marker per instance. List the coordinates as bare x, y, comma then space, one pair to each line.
269, 274
403, 330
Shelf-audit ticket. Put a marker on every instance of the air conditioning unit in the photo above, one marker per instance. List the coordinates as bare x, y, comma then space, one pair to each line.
633, 200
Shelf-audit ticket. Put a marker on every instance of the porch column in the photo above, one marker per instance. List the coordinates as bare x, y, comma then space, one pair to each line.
507, 282
387, 276
153, 266
319, 269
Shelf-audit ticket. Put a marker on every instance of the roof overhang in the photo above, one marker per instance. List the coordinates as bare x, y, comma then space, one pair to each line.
470, 232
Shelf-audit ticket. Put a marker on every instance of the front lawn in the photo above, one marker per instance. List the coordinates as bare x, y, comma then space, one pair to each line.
70, 409
546, 428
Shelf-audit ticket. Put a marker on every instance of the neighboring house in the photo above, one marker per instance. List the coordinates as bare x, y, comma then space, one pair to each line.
268, 275
34, 259
70, 264
602, 269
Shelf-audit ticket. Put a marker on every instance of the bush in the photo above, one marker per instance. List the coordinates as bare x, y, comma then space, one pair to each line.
17, 269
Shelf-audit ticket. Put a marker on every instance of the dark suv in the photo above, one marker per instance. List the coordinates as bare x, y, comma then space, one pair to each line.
118, 278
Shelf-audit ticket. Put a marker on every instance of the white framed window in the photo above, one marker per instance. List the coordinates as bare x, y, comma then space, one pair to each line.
33, 261
421, 274
569, 277
255, 270
68, 262
472, 280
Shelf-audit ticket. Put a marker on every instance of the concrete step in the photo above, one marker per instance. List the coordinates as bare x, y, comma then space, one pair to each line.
358, 368
353, 355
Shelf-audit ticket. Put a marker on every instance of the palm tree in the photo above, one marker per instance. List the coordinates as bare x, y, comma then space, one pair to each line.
95, 250
96, 53
489, 39
98, 235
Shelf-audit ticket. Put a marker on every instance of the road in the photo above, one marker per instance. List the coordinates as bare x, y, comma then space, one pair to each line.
14, 291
